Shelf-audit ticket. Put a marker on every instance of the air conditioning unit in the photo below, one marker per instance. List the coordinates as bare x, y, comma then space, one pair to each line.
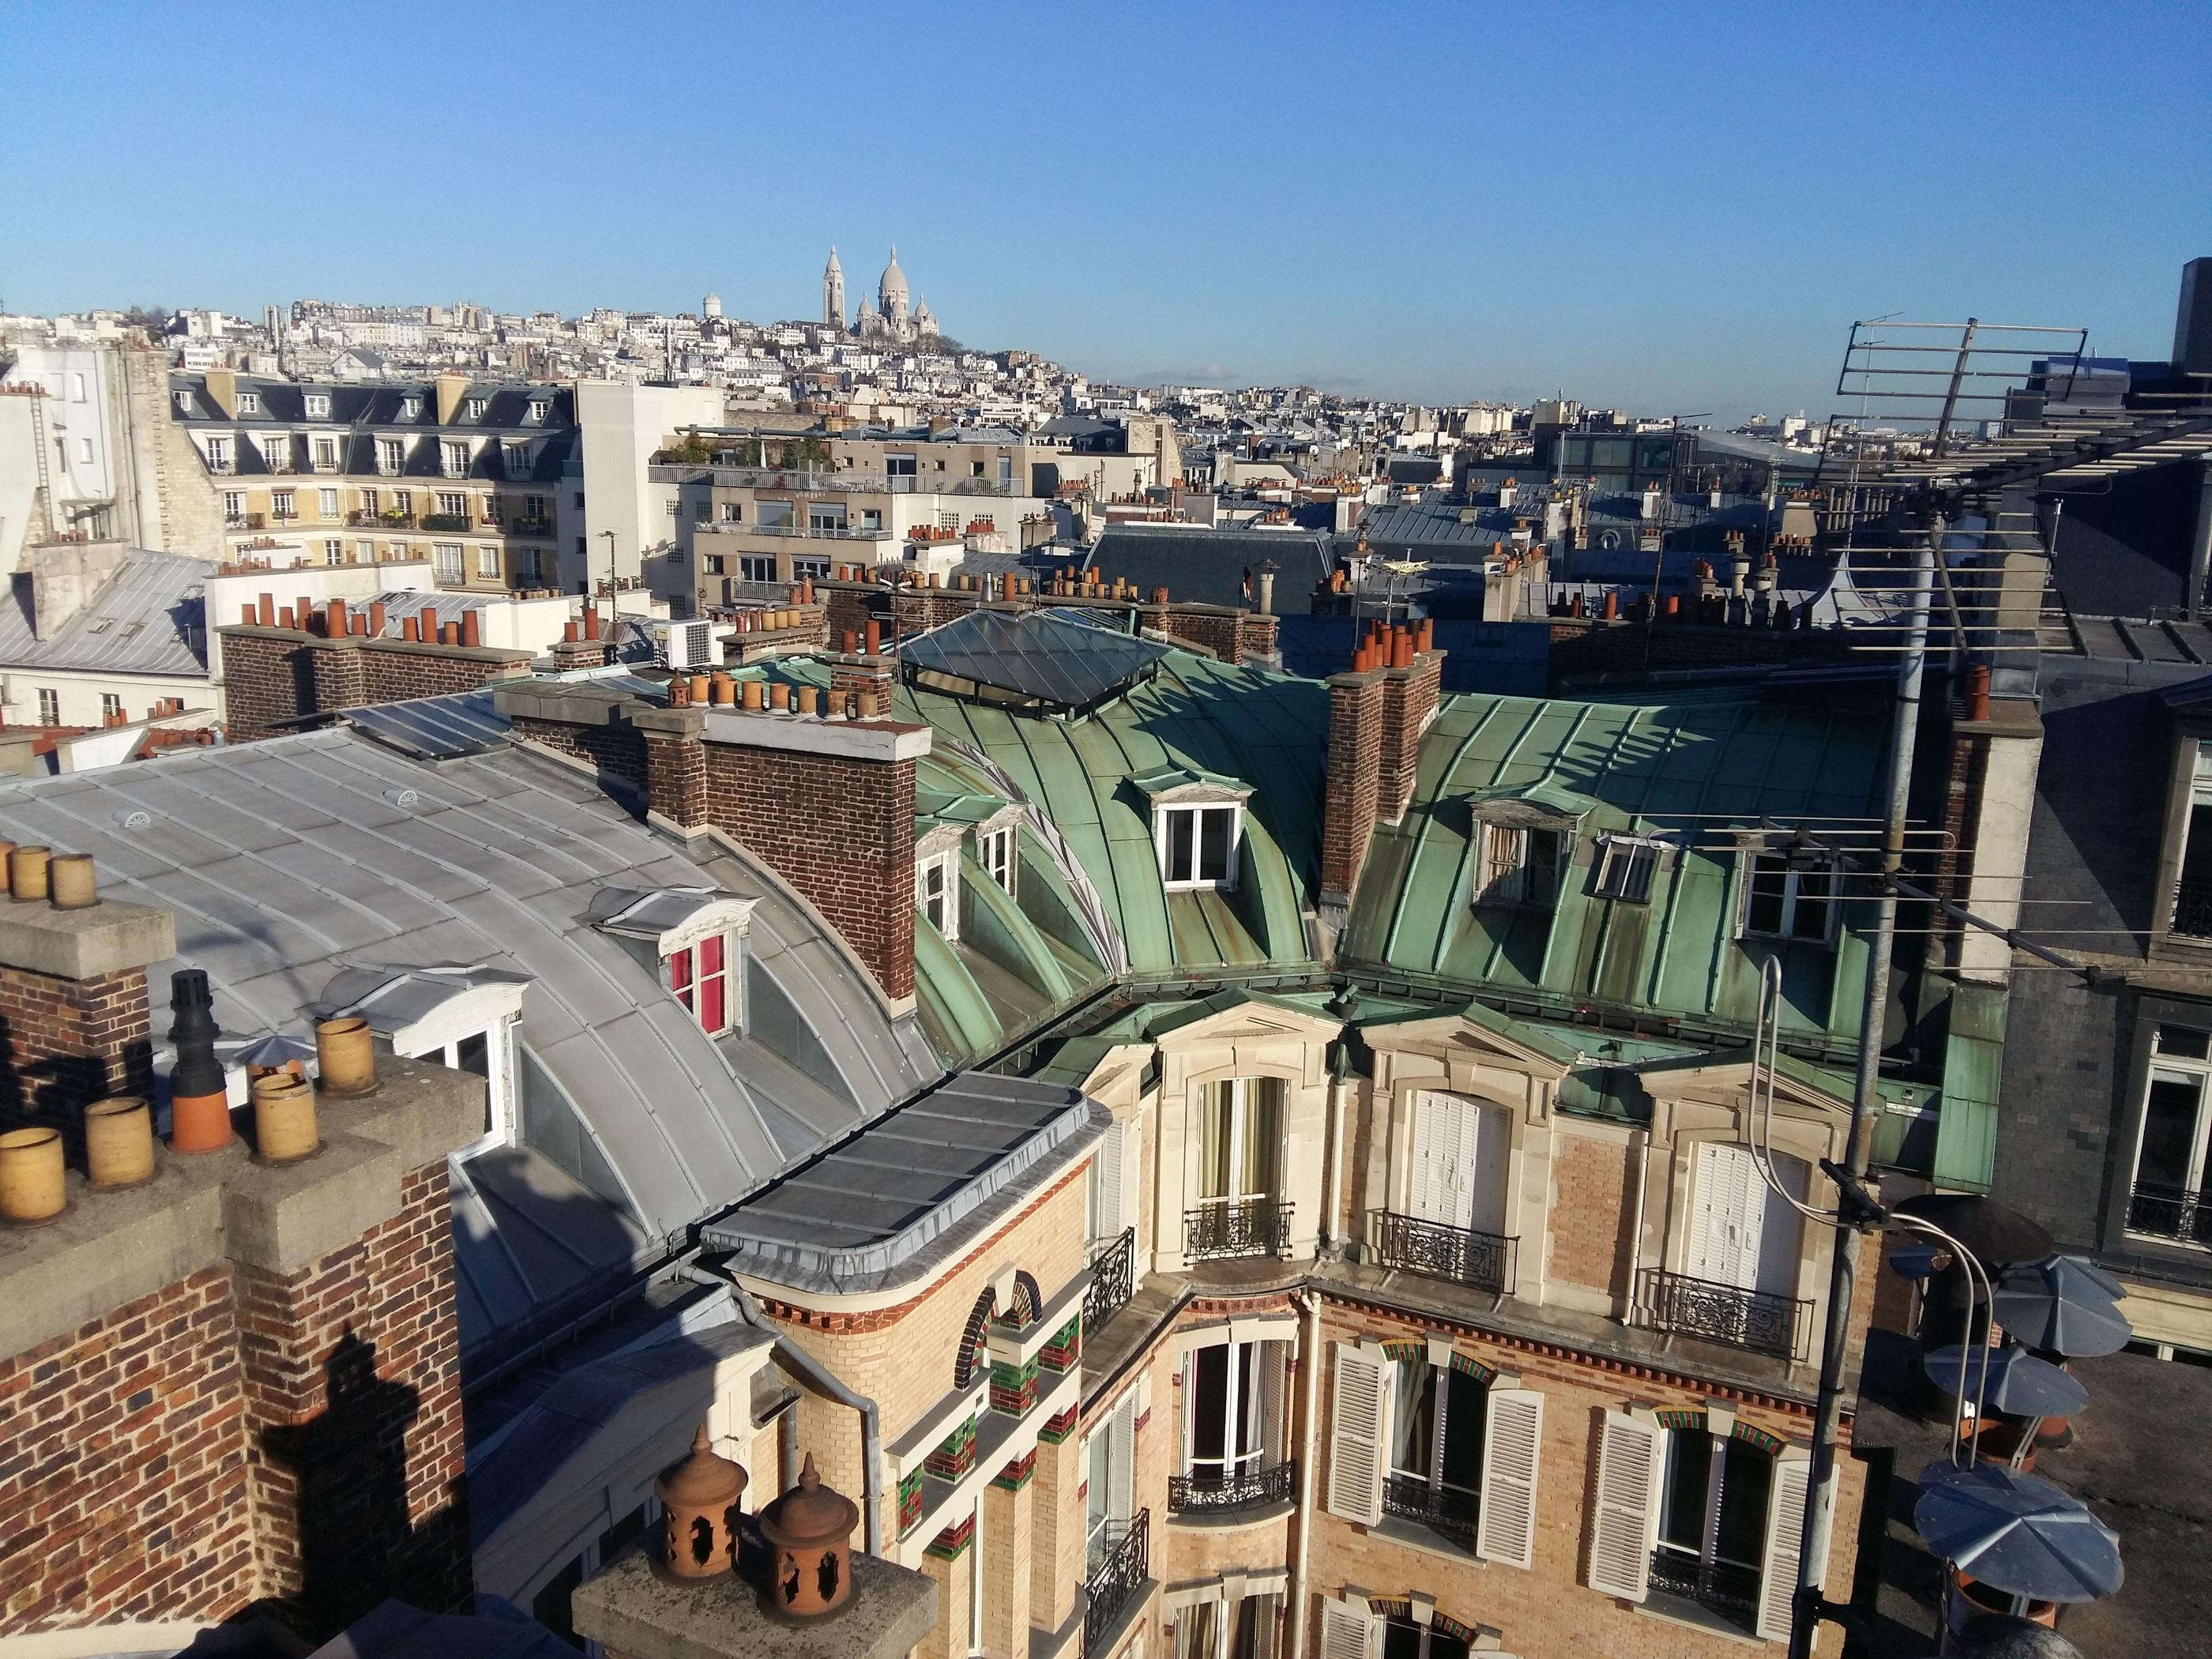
687, 645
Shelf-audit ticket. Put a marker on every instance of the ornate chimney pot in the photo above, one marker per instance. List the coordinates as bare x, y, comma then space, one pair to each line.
809, 1533
700, 1498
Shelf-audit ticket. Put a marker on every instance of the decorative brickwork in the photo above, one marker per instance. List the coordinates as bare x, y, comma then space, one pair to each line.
70, 1042
1014, 1388
143, 1408
948, 1544
1066, 1348
1016, 1474
273, 676
841, 830
909, 1501
1058, 1428
954, 1459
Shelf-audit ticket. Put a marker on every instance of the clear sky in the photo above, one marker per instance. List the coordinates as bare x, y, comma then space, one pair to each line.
1677, 208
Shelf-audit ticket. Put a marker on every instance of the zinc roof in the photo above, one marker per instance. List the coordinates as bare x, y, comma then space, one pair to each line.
147, 618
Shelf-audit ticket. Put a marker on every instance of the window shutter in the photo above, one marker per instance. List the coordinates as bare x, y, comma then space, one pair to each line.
1421, 1197
1122, 1501
1348, 1630
1271, 1381
1356, 1435
1627, 1489
1785, 1523
1512, 1452
1106, 1174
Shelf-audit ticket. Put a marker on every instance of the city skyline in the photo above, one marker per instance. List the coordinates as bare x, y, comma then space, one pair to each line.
1432, 208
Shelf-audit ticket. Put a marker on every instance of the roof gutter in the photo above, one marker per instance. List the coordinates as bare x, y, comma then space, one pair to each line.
819, 1376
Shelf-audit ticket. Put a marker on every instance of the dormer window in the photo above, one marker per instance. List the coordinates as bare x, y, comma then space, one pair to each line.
1625, 865
538, 408
457, 459
1519, 864
249, 403
1788, 897
409, 408
1198, 827
476, 407
183, 403
318, 406
461, 1016
995, 852
391, 456
695, 938
937, 892
518, 461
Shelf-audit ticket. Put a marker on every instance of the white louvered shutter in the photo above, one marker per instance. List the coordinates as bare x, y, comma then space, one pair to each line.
1348, 1631
1107, 1203
1512, 1455
1627, 1496
1271, 1384
1423, 1201
1488, 1152
1785, 1525
1121, 1500
1356, 1434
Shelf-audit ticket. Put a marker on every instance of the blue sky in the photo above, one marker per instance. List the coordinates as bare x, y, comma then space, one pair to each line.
1676, 208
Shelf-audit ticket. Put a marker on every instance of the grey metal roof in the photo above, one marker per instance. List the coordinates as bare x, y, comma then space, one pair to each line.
147, 618
1211, 567
434, 728
887, 1203
1033, 653
290, 861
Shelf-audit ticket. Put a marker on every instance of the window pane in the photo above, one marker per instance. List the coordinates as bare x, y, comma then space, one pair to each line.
679, 975
1543, 866
1770, 877
2169, 1133
1208, 1403
2182, 1042
1402, 1639
1213, 1142
1213, 849
1746, 1475
1465, 1402
710, 955
1262, 1131
1246, 1617
1413, 1415
1179, 846
712, 1017
1682, 1509
475, 1055
1816, 888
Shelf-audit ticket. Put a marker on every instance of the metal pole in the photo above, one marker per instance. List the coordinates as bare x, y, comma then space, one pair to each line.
1865, 1105
1950, 397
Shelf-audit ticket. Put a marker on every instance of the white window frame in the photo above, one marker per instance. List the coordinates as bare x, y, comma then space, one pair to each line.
284, 504
452, 503
218, 454
1619, 860
687, 996
1832, 903
448, 565
998, 851
326, 504
476, 407
234, 503
1254, 1356
326, 452
1506, 850
445, 1049
943, 870
1236, 1100
111, 705
49, 706
391, 456
453, 456
365, 552
1109, 1502
487, 560
409, 408
277, 452
518, 461
318, 406
538, 409
249, 403
333, 549
2181, 1067
1198, 881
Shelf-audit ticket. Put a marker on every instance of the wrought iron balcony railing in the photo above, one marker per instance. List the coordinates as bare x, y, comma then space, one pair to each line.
1216, 1491
2192, 909
1719, 1587
1759, 1320
1447, 1509
1483, 1261
2157, 1211
1113, 1280
1239, 1226
1119, 1576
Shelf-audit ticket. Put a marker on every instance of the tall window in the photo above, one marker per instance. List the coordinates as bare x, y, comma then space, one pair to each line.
2192, 897
277, 451
518, 461
111, 706
1242, 1628
280, 504
1240, 1139
937, 893
333, 550
1713, 1494
1404, 1639
699, 974
50, 707
326, 454
1787, 902
996, 849
1435, 1444
218, 454
391, 455
1233, 1408
452, 504
2168, 1198
448, 555
1109, 1495
456, 459
1198, 845
327, 503
488, 562
1519, 865
234, 505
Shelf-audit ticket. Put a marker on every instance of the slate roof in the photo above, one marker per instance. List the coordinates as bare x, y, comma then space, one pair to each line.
1209, 567
363, 412
291, 861
148, 618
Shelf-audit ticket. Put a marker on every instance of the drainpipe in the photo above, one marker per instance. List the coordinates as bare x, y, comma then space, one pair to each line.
1636, 1228
818, 1375
1340, 1092
1310, 1304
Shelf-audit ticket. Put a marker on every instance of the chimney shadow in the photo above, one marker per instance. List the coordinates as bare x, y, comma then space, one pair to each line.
52, 1090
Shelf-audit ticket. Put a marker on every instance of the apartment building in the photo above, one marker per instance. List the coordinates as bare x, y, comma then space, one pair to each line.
468, 475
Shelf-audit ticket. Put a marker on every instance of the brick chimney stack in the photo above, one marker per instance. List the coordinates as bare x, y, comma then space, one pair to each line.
1377, 715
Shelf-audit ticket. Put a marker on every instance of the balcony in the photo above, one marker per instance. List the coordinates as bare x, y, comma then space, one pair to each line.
810, 482
2192, 909
1758, 1321
1118, 1580
1722, 1588
804, 531
453, 523
1216, 1491
1483, 1260
1446, 1510
1113, 1280
1243, 1226
2183, 1214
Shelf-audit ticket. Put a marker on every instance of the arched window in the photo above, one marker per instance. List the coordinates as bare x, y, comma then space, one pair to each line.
973, 1339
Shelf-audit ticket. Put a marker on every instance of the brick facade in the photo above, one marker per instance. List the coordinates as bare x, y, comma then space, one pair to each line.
1350, 794
838, 829
123, 1466
273, 676
618, 751
1409, 704
65, 1044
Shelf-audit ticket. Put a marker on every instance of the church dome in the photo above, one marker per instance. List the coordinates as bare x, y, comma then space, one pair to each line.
892, 290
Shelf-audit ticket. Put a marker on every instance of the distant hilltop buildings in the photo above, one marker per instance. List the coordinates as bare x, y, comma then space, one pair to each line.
888, 321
